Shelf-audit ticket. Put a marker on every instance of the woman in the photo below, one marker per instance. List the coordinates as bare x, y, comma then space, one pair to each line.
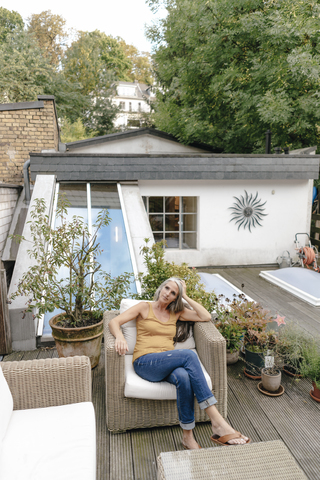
155, 359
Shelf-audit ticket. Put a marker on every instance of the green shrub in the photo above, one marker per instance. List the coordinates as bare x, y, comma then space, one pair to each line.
159, 270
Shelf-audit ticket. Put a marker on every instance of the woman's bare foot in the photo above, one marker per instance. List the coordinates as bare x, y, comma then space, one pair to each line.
220, 428
188, 440
220, 434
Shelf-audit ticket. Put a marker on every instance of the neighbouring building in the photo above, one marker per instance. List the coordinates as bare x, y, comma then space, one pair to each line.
134, 100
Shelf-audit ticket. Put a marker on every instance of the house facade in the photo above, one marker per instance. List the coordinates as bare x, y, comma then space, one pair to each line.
212, 209
134, 100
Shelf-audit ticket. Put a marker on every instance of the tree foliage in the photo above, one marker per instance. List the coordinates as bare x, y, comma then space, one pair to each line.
10, 21
141, 68
231, 69
50, 33
24, 71
91, 56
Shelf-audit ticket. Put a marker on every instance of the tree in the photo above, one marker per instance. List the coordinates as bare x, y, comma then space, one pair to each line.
93, 55
231, 69
49, 31
24, 72
96, 61
141, 68
10, 21
71, 132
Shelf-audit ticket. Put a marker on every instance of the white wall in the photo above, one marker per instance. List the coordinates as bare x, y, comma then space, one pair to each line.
219, 240
8, 201
23, 326
143, 144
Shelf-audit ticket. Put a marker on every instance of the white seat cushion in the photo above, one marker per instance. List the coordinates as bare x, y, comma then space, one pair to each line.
50, 443
137, 387
129, 329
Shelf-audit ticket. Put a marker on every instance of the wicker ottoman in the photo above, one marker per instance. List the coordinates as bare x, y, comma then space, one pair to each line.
258, 461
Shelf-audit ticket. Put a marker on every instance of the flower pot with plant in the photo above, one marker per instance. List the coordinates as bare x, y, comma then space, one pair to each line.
292, 343
258, 346
66, 275
231, 329
311, 367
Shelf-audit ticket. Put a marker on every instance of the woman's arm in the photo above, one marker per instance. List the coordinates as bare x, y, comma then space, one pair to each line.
121, 346
198, 314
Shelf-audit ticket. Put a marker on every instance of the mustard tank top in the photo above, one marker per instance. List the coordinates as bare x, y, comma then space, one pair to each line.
154, 336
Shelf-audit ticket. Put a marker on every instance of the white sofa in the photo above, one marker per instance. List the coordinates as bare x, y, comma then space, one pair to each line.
47, 420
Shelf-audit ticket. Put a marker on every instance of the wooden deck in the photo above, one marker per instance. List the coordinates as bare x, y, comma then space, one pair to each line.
292, 417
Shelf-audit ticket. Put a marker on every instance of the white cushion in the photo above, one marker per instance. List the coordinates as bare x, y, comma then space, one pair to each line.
129, 329
6, 406
137, 387
50, 443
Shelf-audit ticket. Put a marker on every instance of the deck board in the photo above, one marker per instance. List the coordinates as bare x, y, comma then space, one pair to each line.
293, 417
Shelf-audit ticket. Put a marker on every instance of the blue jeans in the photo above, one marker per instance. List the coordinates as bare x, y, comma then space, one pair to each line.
182, 369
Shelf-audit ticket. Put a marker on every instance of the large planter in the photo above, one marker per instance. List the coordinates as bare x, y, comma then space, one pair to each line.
232, 357
271, 382
315, 392
254, 364
78, 341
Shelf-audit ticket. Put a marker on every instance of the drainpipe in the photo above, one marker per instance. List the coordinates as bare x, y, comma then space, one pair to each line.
27, 194
268, 141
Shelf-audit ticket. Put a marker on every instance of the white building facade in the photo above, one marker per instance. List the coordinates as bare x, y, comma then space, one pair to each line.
134, 100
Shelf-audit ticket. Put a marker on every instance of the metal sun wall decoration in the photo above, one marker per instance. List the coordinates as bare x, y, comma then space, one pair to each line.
248, 211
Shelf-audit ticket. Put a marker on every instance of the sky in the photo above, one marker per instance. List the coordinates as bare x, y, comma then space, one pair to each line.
119, 18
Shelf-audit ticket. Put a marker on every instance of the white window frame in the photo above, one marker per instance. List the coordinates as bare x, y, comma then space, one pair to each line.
180, 222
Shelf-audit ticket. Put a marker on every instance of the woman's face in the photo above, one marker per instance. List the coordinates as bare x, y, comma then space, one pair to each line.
169, 292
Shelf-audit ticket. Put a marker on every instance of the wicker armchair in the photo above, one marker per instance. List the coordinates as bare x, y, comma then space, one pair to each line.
127, 413
48, 382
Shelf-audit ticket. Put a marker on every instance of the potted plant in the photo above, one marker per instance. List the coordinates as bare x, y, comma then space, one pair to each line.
293, 341
231, 329
311, 367
253, 320
271, 372
66, 275
258, 345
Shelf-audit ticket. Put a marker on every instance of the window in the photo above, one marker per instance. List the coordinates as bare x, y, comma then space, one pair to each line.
123, 105
130, 107
139, 107
133, 123
173, 219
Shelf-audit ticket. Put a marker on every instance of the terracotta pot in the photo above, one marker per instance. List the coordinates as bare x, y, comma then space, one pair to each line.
78, 341
315, 392
232, 357
271, 382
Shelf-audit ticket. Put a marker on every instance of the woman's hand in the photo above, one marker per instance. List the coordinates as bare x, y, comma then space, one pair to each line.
184, 288
121, 345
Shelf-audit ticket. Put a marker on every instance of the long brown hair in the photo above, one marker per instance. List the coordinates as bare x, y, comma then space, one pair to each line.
183, 329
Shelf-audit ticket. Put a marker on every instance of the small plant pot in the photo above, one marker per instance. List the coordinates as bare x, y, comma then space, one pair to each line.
271, 382
232, 357
315, 392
